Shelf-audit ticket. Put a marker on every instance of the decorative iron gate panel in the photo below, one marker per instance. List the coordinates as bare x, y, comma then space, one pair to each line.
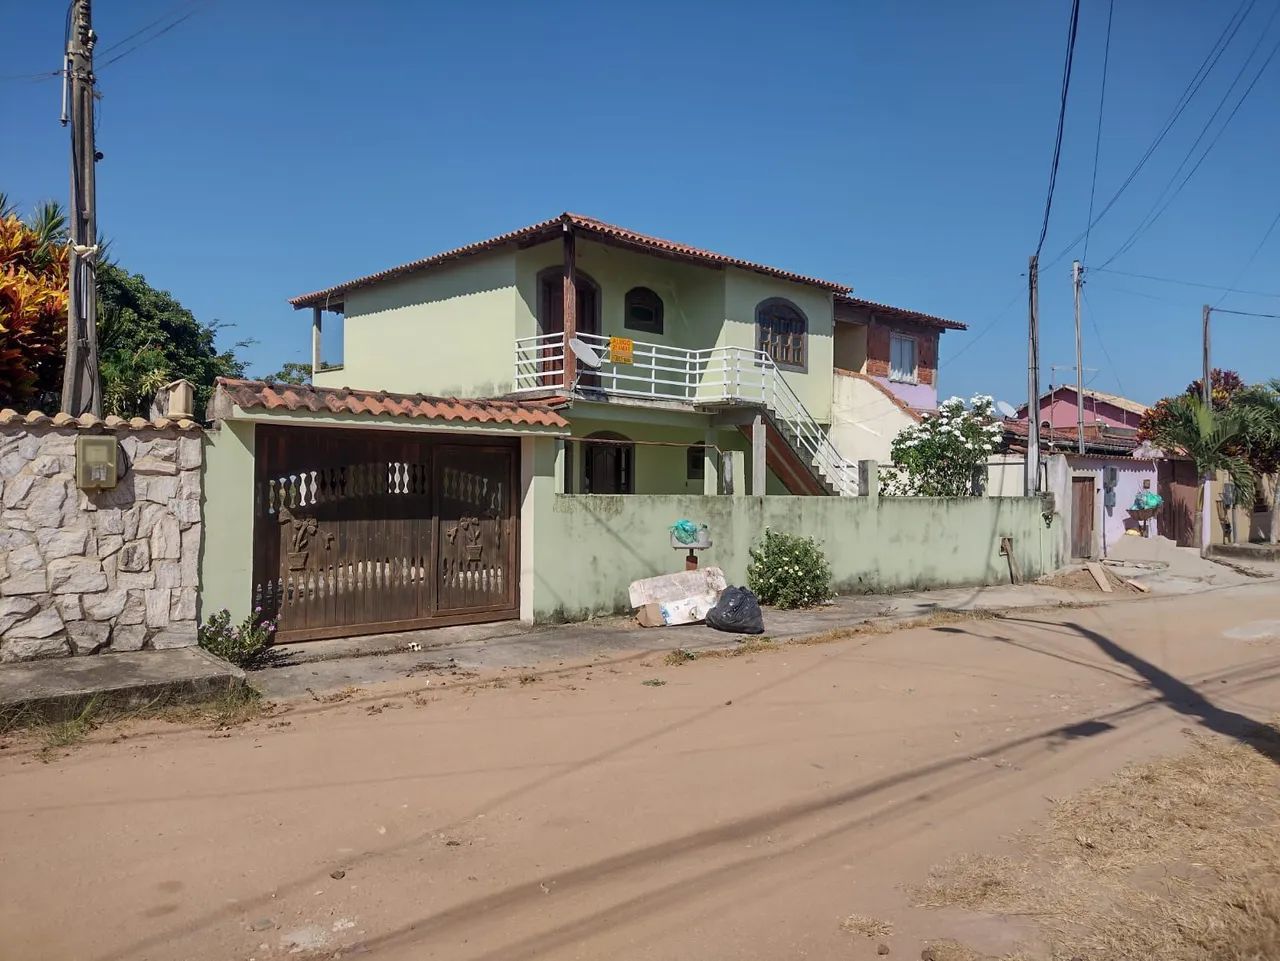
358, 532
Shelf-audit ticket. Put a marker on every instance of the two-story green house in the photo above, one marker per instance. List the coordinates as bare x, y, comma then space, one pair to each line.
425, 479
682, 370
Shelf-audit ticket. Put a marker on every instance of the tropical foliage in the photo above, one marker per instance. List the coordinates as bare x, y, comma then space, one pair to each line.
943, 454
33, 305
1240, 435
291, 373
1214, 439
145, 336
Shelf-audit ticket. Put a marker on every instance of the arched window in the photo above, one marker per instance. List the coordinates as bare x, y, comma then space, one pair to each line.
782, 332
643, 311
608, 464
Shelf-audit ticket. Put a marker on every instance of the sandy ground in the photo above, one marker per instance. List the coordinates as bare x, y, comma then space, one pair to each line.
742, 809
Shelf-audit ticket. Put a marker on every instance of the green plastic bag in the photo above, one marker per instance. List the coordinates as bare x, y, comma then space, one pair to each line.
685, 531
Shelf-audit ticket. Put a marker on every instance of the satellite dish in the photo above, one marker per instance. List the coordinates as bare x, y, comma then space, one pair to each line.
585, 354
1006, 409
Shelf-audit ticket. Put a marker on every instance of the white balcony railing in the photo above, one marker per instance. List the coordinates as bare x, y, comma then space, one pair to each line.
716, 375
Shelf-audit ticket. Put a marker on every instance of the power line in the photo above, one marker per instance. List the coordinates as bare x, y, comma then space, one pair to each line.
1252, 257
1097, 142
1072, 30
1192, 283
1244, 313
146, 40
1184, 99
143, 29
1154, 214
988, 327
1115, 371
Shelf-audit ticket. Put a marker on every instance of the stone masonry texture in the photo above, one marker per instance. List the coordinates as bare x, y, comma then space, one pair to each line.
90, 572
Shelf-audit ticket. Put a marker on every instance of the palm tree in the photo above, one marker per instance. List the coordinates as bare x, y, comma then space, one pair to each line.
1215, 441
1260, 406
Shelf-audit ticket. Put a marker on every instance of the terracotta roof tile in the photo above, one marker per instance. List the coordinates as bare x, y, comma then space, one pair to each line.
1098, 438
10, 417
262, 395
546, 230
896, 313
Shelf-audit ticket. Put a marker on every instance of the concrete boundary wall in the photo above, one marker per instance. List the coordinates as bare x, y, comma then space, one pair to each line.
590, 547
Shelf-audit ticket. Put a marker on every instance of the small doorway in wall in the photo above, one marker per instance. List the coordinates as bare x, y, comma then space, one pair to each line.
1082, 504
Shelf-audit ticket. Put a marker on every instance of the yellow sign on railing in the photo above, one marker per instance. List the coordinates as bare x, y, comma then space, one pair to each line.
621, 350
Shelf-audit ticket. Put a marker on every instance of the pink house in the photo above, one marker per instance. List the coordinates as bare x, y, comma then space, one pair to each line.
1110, 473
1058, 409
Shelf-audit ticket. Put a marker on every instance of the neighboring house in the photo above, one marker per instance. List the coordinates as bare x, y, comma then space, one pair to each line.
695, 366
886, 375
1058, 409
1100, 512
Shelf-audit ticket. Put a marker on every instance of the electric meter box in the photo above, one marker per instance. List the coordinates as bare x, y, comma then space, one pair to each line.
97, 462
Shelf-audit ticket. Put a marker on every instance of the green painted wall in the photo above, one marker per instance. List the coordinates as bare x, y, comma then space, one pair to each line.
447, 331
226, 556
601, 543
744, 290
693, 297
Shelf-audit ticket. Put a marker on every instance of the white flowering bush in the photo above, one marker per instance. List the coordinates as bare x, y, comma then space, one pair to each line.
940, 456
789, 571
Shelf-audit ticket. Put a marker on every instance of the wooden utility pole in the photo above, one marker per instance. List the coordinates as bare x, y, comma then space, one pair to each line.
1076, 275
81, 385
1206, 388
1033, 377
1206, 396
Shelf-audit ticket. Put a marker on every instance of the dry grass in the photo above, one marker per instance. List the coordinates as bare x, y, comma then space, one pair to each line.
867, 927
679, 656
1176, 859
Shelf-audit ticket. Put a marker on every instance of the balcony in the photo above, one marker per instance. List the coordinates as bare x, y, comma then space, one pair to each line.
711, 379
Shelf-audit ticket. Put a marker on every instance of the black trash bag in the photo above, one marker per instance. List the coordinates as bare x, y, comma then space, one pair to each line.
737, 612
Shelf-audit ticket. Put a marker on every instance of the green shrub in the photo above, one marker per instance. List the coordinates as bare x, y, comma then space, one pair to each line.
244, 645
789, 571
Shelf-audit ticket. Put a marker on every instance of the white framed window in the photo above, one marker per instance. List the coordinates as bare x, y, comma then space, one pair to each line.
902, 358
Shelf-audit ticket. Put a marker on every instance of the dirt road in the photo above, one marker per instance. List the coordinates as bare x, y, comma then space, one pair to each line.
741, 809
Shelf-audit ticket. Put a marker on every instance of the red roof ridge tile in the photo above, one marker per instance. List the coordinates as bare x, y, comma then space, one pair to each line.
261, 394
324, 297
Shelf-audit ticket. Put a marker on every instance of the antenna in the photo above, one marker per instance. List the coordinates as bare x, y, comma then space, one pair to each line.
1006, 409
585, 354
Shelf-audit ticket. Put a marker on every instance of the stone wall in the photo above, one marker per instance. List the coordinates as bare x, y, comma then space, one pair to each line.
111, 570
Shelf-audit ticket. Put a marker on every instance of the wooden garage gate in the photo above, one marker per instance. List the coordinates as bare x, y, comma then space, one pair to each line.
361, 532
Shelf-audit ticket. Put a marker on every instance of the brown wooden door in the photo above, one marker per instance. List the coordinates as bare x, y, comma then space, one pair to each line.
551, 319
1178, 485
1082, 491
348, 532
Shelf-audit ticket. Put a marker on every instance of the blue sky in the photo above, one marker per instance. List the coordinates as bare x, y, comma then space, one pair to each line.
261, 150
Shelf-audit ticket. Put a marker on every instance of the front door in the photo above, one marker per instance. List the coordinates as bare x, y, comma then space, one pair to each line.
551, 320
1179, 486
361, 532
1082, 492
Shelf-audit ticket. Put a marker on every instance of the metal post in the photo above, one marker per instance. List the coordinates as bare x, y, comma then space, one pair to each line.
1033, 377
81, 385
1076, 274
